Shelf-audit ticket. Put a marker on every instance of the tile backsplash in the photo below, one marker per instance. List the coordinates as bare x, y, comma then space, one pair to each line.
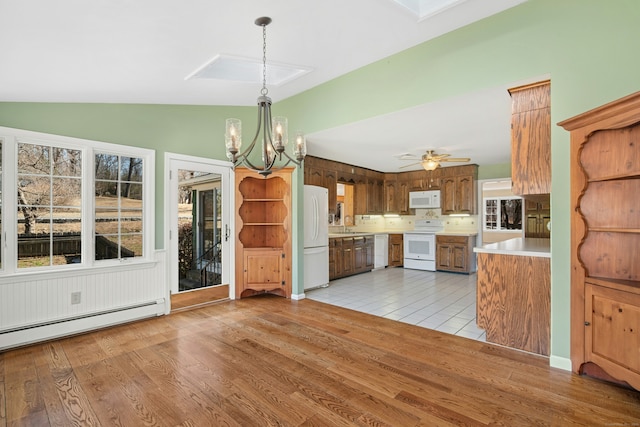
379, 223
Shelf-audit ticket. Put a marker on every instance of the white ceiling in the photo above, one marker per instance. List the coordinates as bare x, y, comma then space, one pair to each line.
141, 51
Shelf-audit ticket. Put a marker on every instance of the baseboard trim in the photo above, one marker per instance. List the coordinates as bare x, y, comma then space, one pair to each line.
18, 338
560, 363
298, 297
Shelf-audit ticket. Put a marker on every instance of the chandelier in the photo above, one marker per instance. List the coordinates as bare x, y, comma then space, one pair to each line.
272, 131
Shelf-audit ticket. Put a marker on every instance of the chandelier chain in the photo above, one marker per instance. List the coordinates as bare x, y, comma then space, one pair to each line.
264, 89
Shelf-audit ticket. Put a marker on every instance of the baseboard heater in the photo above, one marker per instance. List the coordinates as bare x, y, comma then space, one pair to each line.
30, 334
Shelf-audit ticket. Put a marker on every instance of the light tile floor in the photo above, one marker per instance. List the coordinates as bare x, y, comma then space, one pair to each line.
442, 301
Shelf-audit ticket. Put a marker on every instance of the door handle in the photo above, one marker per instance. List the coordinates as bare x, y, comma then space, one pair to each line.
226, 232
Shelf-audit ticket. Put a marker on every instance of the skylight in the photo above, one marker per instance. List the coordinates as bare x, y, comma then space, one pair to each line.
425, 8
233, 68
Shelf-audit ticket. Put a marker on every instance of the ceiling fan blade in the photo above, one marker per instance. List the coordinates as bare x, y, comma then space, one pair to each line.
456, 159
412, 164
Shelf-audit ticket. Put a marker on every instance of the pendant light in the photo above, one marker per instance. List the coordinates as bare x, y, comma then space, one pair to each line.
272, 132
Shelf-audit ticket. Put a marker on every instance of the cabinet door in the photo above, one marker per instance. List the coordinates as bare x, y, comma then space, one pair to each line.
359, 255
338, 255
263, 269
360, 196
375, 190
314, 176
396, 250
465, 195
390, 196
369, 257
448, 195
531, 139
460, 262
403, 197
331, 183
332, 260
531, 226
444, 256
611, 330
347, 257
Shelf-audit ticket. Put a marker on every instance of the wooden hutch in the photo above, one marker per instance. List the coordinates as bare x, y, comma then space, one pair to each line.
605, 241
263, 239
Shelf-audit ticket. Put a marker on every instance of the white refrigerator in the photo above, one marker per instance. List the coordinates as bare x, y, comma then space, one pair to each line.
316, 236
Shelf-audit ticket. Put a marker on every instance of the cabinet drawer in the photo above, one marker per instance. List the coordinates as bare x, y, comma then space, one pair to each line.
452, 239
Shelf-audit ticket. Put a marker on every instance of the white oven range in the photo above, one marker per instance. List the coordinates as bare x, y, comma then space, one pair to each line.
420, 244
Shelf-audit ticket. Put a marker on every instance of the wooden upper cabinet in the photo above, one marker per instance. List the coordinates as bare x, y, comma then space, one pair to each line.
458, 190
360, 195
313, 176
531, 138
330, 182
390, 193
375, 195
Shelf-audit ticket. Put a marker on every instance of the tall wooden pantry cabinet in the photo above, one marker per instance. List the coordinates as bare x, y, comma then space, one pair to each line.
605, 240
263, 239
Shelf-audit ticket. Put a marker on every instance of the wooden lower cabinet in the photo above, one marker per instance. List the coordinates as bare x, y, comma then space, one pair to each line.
396, 250
455, 253
350, 255
263, 269
513, 301
612, 329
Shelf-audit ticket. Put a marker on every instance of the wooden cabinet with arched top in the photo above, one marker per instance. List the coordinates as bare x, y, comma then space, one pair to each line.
263, 239
605, 240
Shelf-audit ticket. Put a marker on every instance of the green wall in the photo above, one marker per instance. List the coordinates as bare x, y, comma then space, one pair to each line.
587, 47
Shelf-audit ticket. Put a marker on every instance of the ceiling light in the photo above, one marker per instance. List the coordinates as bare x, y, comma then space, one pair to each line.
272, 131
430, 164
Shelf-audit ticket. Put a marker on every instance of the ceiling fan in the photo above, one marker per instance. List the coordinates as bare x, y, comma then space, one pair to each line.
431, 161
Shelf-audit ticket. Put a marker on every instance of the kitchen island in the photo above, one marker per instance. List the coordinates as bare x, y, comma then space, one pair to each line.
514, 293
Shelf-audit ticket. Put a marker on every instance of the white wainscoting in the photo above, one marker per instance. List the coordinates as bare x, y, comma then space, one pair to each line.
38, 307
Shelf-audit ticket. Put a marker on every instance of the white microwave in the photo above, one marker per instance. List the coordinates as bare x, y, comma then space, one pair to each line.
424, 199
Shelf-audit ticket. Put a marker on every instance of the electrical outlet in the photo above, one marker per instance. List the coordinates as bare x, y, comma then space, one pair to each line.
75, 297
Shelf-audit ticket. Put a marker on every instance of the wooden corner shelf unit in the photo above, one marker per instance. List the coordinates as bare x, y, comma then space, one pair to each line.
263, 240
605, 240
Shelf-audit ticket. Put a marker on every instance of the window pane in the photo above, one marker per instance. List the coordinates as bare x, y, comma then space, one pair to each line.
34, 250
106, 167
131, 245
511, 214
66, 162
132, 223
107, 221
34, 190
131, 169
106, 189
66, 192
106, 247
33, 159
67, 237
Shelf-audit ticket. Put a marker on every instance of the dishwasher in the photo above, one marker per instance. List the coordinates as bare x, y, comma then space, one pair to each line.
381, 251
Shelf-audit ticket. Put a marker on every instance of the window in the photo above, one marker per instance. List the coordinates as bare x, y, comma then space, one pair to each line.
502, 214
118, 206
49, 217
73, 202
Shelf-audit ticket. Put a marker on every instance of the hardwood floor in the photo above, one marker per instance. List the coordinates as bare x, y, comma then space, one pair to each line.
270, 361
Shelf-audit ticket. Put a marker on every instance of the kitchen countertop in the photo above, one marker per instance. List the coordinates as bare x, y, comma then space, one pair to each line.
518, 246
457, 233
352, 234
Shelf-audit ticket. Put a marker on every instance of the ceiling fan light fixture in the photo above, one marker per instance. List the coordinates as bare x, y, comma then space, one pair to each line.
272, 131
430, 165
